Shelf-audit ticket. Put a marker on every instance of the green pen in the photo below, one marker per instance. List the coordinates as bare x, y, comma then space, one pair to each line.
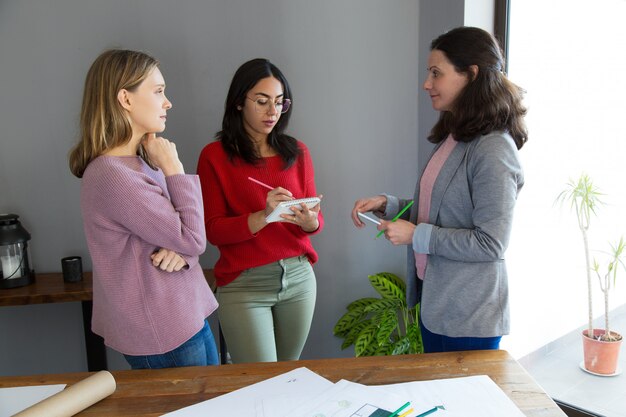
397, 217
395, 413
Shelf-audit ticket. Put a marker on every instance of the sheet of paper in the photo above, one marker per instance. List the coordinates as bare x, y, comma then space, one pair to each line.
472, 396
300, 384
303, 393
349, 399
16, 399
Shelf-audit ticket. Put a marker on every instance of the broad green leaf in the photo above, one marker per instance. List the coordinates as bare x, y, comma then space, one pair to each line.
348, 320
386, 288
353, 333
361, 303
393, 278
401, 346
384, 349
415, 338
388, 325
370, 350
365, 338
384, 305
384, 315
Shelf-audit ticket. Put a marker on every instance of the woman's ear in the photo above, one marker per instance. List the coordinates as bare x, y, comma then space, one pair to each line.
473, 69
124, 98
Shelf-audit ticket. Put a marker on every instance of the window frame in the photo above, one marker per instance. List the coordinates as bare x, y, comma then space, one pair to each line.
501, 28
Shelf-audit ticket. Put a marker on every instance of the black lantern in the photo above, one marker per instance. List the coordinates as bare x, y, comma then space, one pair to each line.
15, 270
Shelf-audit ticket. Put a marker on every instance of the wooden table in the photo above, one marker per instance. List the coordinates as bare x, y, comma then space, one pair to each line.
155, 392
50, 288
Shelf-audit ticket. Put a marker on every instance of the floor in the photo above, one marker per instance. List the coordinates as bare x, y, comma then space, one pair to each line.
556, 368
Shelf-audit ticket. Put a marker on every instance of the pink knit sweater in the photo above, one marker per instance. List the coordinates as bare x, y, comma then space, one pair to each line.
130, 211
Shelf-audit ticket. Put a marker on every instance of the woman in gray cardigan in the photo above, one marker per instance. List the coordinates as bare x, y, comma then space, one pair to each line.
458, 229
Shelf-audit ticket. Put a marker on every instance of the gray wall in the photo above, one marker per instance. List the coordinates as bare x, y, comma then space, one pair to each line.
356, 74
435, 18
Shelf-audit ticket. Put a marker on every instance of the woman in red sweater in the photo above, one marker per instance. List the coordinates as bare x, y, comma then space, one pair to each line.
266, 284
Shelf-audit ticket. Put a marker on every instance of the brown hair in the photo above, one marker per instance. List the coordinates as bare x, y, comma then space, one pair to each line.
489, 101
103, 122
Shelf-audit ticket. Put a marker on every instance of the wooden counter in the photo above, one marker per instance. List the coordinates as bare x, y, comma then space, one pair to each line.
150, 393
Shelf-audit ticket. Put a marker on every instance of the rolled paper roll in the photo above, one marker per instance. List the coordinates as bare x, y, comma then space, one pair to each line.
73, 399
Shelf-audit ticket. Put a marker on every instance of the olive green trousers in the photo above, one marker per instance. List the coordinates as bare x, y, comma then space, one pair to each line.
266, 312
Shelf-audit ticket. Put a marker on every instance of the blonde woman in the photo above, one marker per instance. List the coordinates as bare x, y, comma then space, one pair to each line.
143, 219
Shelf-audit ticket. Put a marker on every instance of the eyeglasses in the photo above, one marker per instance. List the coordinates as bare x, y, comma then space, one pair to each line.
262, 104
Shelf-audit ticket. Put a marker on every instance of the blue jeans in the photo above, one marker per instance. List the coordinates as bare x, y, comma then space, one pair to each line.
439, 343
200, 350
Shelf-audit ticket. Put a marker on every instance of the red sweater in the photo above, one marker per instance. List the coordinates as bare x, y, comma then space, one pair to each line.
229, 198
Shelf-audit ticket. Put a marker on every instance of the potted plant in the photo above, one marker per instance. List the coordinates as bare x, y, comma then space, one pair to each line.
600, 346
381, 326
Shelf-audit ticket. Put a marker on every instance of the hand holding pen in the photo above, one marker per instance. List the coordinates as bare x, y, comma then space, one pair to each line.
399, 232
383, 228
256, 220
275, 195
301, 216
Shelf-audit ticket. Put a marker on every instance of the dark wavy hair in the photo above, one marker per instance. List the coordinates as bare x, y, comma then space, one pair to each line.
233, 135
489, 101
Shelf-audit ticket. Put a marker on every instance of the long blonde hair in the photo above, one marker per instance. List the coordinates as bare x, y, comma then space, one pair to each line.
103, 122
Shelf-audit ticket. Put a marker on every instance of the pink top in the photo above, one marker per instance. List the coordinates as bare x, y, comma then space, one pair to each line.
130, 211
427, 182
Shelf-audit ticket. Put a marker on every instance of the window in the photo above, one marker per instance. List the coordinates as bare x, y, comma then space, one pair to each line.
570, 57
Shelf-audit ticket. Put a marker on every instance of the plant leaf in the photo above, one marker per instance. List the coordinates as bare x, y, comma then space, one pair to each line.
386, 288
415, 338
361, 303
353, 333
383, 304
395, 279
384, 349
345, 323
365, 338
388, 324
401, 346
370, 350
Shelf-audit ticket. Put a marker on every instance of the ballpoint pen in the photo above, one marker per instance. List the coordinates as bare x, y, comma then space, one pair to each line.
397, 217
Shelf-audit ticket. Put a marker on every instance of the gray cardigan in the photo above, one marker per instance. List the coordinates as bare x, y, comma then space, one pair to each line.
465, 289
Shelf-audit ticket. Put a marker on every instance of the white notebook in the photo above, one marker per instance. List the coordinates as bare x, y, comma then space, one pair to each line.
284, 208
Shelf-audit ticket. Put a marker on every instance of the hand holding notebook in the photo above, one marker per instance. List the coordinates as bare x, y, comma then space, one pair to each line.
285, 208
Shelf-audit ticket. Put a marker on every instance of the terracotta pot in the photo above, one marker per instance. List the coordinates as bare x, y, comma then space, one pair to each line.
600, 357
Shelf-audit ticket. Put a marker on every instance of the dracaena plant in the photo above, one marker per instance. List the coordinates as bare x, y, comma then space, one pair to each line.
381, 326
607, 279
584, 198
